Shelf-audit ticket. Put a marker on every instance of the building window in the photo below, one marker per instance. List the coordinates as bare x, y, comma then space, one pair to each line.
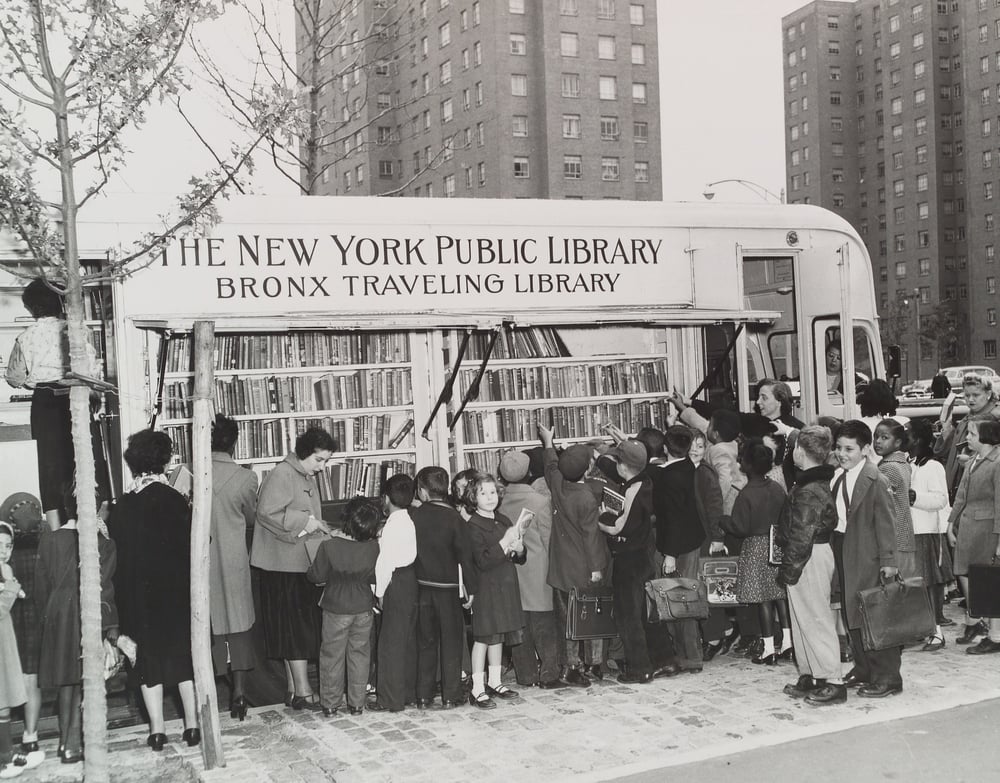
919, 69
518, 44
898, 188
520, 125
638, 92
990, 349
516, 6
518, 85
481, 173
521, 170
991, 285
444, 34
449, 186
923, 210
919, 97
447, 112
609, 169
921, 152
918, 40
572, 167
608, 88
987, 191
921, 183
899, 243
896, 105
609, 129
571, 126
835, 99
641, 171
637, 14
838, 199
568, 7
899, 215
900, 269
479, 93
638, 54
924, 267
570, 83
640, 132
385, 169
480, 134
838, 175
605, 47
569, 44
991, 254
605, 9
445, 72
477, 54
475, 13
835, 73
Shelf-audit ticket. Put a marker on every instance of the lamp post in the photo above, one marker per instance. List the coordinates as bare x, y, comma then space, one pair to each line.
762, 192
916, 304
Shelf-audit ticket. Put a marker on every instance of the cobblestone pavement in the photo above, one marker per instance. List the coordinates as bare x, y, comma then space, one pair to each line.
603, 732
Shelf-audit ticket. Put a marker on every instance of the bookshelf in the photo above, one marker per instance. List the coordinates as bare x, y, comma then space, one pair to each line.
357, 385
571, 379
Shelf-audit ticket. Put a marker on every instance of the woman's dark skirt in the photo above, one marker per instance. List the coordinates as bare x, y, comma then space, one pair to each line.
233, 652
166, 670
291, 615
933, 559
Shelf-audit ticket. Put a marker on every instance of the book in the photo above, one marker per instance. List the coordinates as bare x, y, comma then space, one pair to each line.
613, 501
774, 551
399, 435
524, 520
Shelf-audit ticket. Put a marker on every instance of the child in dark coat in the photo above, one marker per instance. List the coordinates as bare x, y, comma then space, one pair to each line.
496, 614
757, 508
345, 563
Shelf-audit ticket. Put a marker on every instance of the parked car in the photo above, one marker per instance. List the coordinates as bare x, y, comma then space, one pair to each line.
955, 374
918, 390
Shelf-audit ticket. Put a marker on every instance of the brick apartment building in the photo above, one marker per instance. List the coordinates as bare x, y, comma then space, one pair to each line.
488, 99
892, 112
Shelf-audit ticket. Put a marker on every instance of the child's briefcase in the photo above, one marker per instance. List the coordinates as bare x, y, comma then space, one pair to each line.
984, 590
897, 612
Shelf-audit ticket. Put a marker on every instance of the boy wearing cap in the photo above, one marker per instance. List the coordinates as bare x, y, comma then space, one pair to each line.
679, 535
721, 430
536, 659
630, 536
578, 555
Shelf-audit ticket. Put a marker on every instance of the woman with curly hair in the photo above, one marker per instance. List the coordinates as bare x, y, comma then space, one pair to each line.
151, 528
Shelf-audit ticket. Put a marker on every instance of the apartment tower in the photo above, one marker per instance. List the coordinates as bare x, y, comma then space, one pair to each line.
892, 112
487, 99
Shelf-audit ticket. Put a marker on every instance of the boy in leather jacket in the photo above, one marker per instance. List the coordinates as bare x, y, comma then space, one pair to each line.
806, 570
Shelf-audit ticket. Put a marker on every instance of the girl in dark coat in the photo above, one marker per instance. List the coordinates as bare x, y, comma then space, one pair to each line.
496, 612
151, 525
57, 595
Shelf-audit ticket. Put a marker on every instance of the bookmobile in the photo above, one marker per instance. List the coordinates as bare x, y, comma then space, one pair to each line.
442, 331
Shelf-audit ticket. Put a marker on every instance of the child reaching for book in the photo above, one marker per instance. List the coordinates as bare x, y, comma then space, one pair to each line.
12, 693
345, 563
758, 508
891, 443
496, 615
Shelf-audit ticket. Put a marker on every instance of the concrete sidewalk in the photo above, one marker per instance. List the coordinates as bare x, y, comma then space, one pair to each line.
605, 732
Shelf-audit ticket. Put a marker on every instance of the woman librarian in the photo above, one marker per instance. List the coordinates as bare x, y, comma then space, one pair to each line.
288, 512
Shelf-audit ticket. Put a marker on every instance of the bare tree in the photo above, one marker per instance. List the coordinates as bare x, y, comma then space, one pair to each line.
74, 76
332, 68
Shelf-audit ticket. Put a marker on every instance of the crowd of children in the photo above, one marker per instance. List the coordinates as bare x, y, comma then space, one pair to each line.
410, 580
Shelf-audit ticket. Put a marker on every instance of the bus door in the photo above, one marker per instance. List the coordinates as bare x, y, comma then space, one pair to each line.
832, 355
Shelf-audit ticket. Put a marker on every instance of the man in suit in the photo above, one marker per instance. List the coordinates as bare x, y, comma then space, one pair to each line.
679, 535
578, 555
864, 548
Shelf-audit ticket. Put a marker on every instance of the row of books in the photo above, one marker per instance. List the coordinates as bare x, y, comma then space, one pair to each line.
569, 421
363, 389
364, 433
291, 350
357, 477
529, 342
574, 380
261, 395
256, 439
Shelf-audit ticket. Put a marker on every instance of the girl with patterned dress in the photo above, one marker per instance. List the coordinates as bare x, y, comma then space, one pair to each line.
12, 693
756, 510
890, 442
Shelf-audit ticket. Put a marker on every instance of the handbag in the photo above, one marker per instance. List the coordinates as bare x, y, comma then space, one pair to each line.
984, 590
895, 613
590, 614
719, 575
674, 598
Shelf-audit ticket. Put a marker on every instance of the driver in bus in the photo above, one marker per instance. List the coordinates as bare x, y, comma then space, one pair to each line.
835, 373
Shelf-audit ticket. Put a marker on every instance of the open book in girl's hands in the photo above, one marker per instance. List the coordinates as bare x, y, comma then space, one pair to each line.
523, 520
613, 501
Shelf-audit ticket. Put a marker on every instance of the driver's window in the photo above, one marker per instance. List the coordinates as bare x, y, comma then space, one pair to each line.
831, 364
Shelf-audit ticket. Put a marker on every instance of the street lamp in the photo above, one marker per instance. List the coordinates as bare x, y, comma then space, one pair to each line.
759, 190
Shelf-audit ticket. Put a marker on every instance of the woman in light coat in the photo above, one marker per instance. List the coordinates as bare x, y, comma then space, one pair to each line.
234, 507
974, 525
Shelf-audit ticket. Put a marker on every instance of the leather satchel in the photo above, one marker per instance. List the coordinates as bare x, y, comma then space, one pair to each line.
897, 612
674, 598
590, 614
984, 590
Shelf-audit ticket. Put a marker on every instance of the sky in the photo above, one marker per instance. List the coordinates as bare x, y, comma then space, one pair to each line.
720, 92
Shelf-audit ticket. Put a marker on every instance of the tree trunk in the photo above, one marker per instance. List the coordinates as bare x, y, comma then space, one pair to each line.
201, 517
95, 707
